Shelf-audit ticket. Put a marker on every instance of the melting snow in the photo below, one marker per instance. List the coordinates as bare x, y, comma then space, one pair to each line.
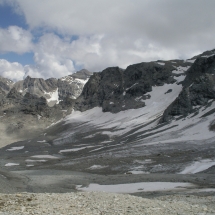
12, 164
54, 96
15, 148
97, 167
137, 172
124, 121
41, 141
180, 78
97, 149
208, 55
29, 160
162, 64
191, 61
75, 150
137, 187
44, 156
180, 69
198, 166
81, 80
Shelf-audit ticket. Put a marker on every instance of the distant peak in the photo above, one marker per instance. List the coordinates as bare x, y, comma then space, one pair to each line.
82, 74
84, 71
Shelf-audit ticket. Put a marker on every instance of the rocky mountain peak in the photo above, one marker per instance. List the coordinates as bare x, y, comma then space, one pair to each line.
115, 89
198, 89
82, 74
14, 94
6, 84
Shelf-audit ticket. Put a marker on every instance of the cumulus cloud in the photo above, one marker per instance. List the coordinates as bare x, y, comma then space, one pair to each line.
109, 33
15, 39
170, 23
52, 58
57, 57
13, 71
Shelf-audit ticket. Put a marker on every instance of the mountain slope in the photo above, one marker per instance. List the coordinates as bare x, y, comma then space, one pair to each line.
125, 128
198, 89
115, 89
53, 89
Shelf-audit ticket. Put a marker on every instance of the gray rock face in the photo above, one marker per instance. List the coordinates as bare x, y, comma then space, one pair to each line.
198, 89
15, 102
26, 109
37, 86
71, 86
54, 89
2, 94
115, 89
5, 84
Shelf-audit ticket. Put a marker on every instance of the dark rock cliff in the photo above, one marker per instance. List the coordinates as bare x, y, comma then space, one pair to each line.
115, 89
198, 89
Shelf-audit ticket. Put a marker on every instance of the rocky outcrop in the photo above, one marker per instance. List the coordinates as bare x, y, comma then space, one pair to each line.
198, 89
37, 86
71, 86
14, 103
54, 89
5, 84
115, 89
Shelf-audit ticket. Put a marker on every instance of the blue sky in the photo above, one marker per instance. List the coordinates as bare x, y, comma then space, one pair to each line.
56, 38
8, 17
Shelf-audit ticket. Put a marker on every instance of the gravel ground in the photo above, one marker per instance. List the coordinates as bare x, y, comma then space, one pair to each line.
103, 203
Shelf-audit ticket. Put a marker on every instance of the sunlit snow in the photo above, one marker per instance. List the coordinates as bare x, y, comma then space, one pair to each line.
97, 167
198, 166
53, 96
75, 149
44, 156
12, 164
15, 148
137, 187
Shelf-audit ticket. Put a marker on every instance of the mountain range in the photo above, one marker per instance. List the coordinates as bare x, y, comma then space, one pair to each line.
155, 117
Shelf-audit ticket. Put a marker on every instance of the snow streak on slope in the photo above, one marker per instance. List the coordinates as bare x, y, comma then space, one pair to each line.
193, 127
53, 96
198, 166
124, 121
143, 122
137, 187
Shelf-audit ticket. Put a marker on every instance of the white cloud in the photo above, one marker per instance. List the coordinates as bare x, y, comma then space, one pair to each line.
52, 58
167, 22
55, 55
109, 33
15, 39
13, 71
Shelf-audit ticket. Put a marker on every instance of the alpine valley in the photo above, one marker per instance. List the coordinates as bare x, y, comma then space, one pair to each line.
150, 122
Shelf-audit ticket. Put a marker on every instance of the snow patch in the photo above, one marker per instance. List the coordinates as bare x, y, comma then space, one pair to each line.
198, 166
180, 69
41, 141
136, 187
75, 150
208, 55
97, 167
123, 121
137, 172
15, 148
180, 78
30, 160
191, 61
12, 164
53, 96
44, 156
160, 63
